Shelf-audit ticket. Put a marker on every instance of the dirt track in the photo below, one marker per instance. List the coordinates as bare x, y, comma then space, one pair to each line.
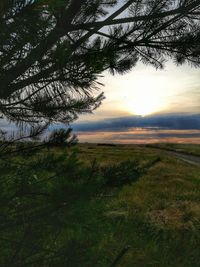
194, 160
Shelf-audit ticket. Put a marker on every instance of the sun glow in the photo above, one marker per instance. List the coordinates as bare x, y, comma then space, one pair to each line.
145, 91
145, 104
146, 97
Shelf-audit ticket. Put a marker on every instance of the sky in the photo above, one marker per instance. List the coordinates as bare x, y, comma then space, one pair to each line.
145, 90
138, 105
145, 106
147, 93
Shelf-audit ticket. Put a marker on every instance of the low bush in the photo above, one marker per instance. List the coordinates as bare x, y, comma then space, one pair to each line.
125, 172
45, 201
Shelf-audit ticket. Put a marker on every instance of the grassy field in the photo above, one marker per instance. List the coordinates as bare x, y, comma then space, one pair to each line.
156, 217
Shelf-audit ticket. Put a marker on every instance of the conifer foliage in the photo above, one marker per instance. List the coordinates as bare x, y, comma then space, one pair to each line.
52, 52
62, 137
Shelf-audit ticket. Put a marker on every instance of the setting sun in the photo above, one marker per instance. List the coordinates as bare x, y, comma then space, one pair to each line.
143, 107
145, 103
146, 98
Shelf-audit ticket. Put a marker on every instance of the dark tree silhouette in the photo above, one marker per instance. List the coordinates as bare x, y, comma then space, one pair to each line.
62, 137
53, 51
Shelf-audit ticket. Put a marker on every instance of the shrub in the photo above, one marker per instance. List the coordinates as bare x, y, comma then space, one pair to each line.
125, 172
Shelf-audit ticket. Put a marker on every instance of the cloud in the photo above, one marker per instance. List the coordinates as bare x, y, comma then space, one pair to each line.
182, 128
141, 136
174, 127
164, 121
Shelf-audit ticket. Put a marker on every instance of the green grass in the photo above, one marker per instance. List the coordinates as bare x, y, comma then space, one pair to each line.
106, 154
158, 216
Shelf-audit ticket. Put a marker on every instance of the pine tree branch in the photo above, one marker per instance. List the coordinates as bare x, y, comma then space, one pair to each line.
180, 10
38, 52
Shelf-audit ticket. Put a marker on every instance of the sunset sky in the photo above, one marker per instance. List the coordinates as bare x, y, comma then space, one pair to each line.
145, 91
143, 106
